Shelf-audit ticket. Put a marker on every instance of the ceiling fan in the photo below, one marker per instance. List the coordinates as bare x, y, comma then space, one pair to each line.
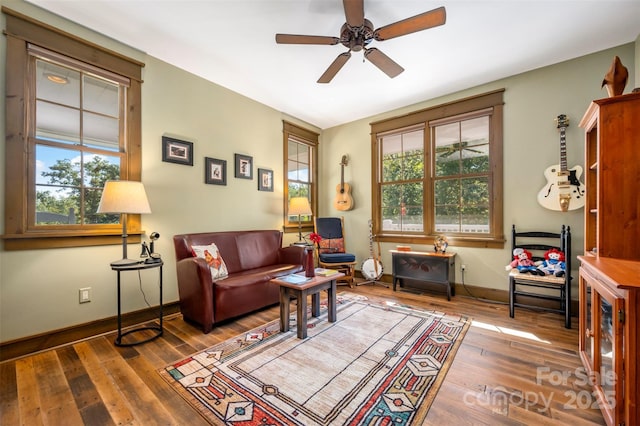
455, 148
358, 32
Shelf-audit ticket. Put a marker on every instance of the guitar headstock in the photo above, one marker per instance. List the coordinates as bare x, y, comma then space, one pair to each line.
345, 160
562, 121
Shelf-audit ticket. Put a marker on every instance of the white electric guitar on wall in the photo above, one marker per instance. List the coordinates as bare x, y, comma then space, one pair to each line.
563, 190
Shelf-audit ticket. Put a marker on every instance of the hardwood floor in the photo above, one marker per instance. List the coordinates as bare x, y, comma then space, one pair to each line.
520, 371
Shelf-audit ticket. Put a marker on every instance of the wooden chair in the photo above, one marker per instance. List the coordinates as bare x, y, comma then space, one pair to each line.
547, 287
331, 248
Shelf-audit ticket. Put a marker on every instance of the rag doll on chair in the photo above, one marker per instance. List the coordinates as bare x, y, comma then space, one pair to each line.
553, 263
523, 263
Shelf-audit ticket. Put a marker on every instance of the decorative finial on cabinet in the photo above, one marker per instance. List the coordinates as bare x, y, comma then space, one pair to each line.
616, 78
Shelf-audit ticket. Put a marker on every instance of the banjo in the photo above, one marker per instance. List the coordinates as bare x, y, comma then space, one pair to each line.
371, 268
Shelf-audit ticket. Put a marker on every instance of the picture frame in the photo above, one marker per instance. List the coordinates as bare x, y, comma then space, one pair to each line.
265, 180
243, 166
215, 171
177, 151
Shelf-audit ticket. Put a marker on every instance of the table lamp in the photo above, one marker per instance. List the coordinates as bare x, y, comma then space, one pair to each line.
124, 197
299, 206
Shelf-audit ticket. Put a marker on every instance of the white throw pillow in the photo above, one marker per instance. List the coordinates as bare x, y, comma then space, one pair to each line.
212, 256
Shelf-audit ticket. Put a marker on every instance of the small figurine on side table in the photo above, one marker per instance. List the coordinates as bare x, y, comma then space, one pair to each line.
440, 244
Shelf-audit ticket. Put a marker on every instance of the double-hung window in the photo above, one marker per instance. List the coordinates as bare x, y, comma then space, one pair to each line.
461, 174
439, 171
402, 183
78, 139
73, 122
300, 176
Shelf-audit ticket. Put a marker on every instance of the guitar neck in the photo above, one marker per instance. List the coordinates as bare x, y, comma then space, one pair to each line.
371, 239
562, 123
563, 149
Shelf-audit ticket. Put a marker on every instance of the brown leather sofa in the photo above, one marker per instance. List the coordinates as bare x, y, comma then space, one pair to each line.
252, 259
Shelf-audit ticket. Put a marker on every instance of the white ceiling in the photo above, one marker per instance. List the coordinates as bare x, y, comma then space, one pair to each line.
232, 43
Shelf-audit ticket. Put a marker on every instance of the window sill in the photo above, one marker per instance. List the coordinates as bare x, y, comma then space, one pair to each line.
48, 239
454, 241
294, 228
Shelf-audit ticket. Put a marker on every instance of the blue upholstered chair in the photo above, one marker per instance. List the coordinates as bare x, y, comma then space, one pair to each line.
331, 248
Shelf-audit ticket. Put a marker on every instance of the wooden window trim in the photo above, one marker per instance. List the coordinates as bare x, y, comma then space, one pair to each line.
310, 138
423, 117
20, 31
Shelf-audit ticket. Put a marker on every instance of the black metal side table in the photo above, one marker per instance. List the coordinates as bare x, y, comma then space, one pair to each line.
158, 329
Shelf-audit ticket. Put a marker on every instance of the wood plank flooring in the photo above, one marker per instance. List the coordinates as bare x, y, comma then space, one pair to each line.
522, 371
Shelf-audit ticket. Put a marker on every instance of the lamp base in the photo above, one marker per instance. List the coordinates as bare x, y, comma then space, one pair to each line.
125, 262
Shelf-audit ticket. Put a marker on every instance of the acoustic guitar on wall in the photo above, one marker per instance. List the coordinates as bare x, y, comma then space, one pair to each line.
563, 190
343, 200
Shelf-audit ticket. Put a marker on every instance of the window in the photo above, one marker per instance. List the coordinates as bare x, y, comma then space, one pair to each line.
78, 140
79, 125
439, 171
300, 160
461, 174
402, 183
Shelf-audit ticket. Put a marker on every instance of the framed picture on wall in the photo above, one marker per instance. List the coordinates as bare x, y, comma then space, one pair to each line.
215, 171
177, 151
265, 180
244, 166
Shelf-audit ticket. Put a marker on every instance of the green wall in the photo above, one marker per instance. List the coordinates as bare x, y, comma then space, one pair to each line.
531, 143
39, 288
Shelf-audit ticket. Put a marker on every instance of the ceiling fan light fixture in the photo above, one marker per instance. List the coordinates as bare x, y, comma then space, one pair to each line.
356, 38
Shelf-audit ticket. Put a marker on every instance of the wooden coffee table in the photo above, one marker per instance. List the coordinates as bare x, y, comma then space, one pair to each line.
300, 292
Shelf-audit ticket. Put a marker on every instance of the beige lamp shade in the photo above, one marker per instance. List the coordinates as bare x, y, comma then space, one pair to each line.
123, 196
299, 206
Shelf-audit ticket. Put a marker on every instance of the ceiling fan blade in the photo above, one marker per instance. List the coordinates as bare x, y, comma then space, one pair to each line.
424, 21
354, 11
382, 61
335, 66
305, 39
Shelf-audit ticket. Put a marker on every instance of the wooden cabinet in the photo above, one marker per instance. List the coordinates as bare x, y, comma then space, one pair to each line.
610, 269
422, 269
609, 342
612, 154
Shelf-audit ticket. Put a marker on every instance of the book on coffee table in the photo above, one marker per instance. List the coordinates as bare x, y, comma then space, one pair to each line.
326, 272
294, 279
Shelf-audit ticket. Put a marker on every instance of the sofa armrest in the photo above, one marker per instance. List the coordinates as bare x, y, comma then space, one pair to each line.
195, 289
293, 255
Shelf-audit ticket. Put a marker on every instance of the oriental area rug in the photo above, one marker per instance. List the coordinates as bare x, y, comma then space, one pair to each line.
378, 364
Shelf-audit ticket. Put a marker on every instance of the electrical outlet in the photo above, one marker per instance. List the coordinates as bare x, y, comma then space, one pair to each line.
85, 294
463, 268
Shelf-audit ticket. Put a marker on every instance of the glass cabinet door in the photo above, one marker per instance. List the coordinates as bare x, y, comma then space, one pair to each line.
607, 367
589, 323
586, 324
607, 320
